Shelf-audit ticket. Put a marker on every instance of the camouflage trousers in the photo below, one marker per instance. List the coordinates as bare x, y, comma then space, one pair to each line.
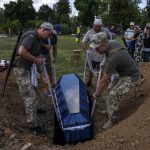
119, 88
27, 92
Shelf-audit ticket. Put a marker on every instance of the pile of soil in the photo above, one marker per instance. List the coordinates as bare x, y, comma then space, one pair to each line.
132, 132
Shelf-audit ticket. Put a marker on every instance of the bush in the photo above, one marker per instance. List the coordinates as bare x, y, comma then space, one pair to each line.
65, 29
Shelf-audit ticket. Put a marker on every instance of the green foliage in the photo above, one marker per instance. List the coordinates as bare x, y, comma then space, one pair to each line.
21, 14
15, 25
107, 20
124, 11
30, 24
46, 13
63, 7
87, 10
22, 10
65, 29
38, 23
2, 20
148, 9
10, 10
26, 11
62, 10
65, 19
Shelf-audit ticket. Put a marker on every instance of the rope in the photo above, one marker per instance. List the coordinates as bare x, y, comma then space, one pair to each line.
94, 71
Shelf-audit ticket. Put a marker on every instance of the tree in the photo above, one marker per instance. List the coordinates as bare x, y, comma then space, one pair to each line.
62, 10
144, 16
124, 11
22, 10
10, 10
148, 8
87, 10
63, 7
25, 11
46, 13
2, 20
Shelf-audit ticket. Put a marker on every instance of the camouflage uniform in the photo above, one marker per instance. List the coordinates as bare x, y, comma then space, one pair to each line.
127, 73
27, 92
119, 88
31, 41
22, 72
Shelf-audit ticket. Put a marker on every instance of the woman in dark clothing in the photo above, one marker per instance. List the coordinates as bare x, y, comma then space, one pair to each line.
146, 45
133, 41
138, 46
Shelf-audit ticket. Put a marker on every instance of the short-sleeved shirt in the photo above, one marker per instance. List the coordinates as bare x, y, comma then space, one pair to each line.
51, 41
88, 36
129, 33
30, 41
95, 56
120, 61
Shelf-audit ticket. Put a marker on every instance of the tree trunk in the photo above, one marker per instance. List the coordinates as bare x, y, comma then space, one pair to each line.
9, 30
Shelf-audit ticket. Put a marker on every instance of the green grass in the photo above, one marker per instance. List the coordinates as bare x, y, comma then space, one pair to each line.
6, 47
66, 45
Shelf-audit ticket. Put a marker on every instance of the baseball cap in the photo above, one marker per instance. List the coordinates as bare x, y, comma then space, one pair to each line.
97, 22
47, 25
132, 23
98, 39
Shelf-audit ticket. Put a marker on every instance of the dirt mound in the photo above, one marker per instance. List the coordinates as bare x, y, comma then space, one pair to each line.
133, 132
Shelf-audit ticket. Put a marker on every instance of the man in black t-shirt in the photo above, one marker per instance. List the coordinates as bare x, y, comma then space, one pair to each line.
49, 51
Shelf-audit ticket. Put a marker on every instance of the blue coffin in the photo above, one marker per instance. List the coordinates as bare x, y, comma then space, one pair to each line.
72, 107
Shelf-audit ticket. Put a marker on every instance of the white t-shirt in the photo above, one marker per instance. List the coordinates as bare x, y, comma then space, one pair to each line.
129, 33
95, 56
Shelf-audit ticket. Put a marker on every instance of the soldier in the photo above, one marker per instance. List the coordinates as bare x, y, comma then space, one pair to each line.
29, 53
118, 60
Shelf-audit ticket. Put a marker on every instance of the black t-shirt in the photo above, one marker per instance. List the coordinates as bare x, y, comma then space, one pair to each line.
146, 41
51, 41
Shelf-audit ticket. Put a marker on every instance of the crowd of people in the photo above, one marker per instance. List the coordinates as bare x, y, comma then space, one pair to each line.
117, 63
35, 46
138, 42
